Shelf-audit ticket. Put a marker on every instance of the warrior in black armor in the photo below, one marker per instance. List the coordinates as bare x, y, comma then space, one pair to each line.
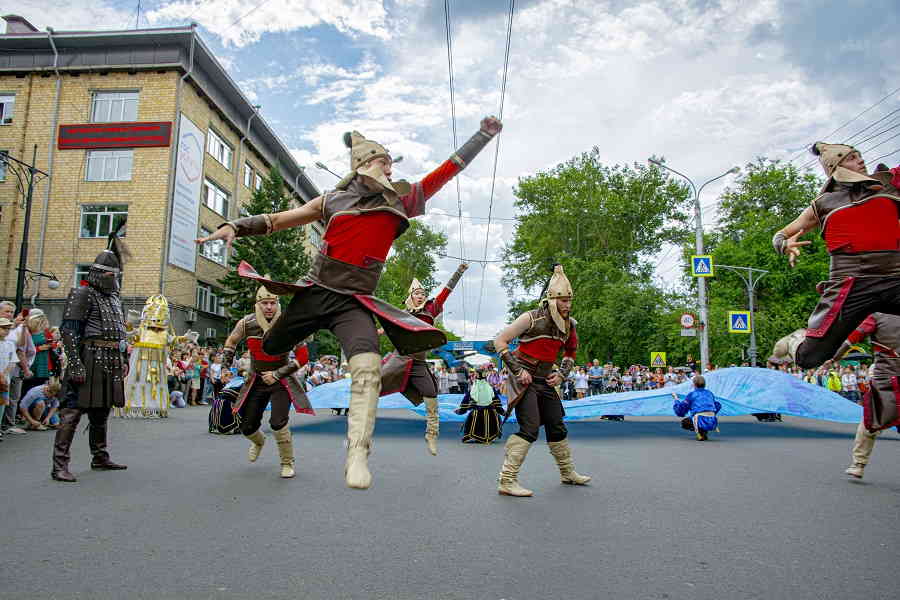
93, 333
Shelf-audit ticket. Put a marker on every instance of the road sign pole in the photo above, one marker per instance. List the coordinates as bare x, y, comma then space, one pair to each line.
750, 292
751, 284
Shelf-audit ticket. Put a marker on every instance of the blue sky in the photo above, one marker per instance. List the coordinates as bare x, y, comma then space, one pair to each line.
708, 84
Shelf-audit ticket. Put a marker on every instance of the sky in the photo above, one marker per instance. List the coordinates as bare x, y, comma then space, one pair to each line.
707, 84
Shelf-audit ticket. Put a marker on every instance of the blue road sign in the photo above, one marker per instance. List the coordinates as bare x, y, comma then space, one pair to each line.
701, 265
738, 321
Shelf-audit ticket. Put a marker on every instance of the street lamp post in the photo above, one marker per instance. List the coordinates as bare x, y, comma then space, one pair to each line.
701, 284
750, 282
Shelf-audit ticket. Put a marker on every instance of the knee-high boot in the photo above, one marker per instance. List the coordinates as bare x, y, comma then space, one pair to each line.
97, 438
563, 455
257, 439
785, 350
285, 451
432, 424
365, 374
863, 444
516, 451
68, 423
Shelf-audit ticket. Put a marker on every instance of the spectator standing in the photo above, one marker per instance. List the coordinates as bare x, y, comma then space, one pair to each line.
39, 327
581, 383
24, 355
463, 378
443, 381
595, 378
850, 385
494, 379
7, 363
834, 381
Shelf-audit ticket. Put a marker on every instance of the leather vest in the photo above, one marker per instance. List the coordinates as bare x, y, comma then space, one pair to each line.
543, 326
259, 360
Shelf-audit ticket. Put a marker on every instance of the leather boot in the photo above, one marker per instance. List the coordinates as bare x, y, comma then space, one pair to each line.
508, 483
785, 350
432, 424
285, 451
863, 444
257, 439
563, 455
365, 385
68, 423
97, 439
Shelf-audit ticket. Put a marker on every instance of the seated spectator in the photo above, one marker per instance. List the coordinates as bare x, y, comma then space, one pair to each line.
176, 396
39, 406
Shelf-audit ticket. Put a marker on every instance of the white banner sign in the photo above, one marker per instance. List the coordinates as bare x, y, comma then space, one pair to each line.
186, 198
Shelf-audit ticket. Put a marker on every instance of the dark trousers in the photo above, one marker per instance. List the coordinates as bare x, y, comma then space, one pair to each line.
540, 405
316, 308
868, 295
595, 387
254, 407
97, 419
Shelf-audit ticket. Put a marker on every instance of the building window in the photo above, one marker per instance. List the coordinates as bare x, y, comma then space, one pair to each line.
7, 107
109, 165
3, 164
209, 299
214, 250
257, 182
315, 237
98, 220
114, 107
81, 275
248, 175
215, 198
218, 149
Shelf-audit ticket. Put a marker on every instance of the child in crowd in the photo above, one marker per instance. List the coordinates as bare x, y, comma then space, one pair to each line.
701, 408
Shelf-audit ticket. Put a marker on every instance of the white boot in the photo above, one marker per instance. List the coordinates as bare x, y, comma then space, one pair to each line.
257, 439
863, 444
432, 424
508, 483
563, 455
785, 350
365, 385
285, 451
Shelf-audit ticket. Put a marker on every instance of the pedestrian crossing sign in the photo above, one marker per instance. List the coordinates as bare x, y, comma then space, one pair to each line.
738, 321
657, 359
701, 265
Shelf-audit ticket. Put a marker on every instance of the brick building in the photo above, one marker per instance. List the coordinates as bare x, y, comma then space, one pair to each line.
139, 122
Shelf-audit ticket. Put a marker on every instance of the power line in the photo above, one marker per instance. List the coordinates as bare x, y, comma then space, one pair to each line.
446, 214
462, 244
487, 234
869, 126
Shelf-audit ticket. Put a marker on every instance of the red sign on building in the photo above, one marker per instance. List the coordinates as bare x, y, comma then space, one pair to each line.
114, 135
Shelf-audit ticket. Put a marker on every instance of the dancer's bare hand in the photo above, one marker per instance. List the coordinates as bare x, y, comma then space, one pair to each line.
555, 379
792, 248
225, 233
491, 125
268, 377
524, 377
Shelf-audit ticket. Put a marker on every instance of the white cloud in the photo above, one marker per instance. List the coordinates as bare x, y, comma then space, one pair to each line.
238, 25
64, 15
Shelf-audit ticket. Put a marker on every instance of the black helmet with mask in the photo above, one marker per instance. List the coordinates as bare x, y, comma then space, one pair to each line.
105, 272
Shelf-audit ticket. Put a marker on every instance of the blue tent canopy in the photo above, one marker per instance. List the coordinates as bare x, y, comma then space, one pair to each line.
741, 391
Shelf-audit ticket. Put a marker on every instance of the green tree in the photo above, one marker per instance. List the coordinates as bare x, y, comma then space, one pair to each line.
282, 255
767, 196
602, 224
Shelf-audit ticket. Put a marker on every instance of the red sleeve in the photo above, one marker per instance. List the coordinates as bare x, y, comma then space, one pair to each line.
436, 306
866, 328
571, 345
895, 180
414, 201
301, 354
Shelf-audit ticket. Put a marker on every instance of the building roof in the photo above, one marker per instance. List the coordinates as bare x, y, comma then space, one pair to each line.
143, 49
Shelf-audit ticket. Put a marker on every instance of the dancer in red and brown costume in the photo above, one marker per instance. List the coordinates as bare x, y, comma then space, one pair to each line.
363, 216
542, 333
858, 216
410, 375
272, 378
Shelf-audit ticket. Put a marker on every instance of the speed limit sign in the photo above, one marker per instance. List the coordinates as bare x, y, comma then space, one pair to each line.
687, 320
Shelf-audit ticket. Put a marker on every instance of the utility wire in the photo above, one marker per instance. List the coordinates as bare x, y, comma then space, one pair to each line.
487, 234
462, 244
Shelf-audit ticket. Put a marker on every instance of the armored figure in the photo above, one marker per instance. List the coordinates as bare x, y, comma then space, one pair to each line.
93, 333
363, 216
272, 378
146, 389
542, 333
410, 375
881, 403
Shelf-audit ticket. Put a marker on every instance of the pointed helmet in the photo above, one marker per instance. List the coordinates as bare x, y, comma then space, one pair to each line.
263, 294
559, 287
830, 157
362, 152
410, 303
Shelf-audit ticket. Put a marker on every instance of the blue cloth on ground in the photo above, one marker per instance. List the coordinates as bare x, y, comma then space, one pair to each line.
739, 391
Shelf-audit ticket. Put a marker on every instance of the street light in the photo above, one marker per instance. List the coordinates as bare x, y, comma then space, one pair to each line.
751, 289
701, 284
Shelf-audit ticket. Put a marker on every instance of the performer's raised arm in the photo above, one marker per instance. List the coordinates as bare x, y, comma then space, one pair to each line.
785, 241
442, 296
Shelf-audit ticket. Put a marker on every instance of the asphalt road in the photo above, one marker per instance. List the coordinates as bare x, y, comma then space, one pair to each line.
761, 511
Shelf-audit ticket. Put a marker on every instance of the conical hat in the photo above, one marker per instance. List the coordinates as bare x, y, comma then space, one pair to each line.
362, 152
830, 157
415, 285
559, 286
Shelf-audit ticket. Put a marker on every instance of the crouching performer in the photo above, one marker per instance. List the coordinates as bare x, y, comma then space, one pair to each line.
858, 216
700, 409
881, 402
363, 216
542, 334
93, 334
483, 405
272, 378
410, 375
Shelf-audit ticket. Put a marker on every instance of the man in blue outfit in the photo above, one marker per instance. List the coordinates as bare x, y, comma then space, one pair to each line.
701, 407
